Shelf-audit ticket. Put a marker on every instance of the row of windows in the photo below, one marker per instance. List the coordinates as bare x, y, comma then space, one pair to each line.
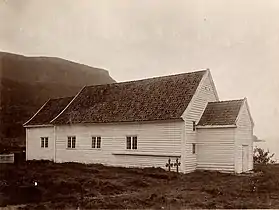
131, 142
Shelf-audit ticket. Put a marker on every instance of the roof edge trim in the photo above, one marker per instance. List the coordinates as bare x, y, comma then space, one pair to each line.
68, 104
213, 84
36, 113
245, 101
215, 126
195, 94
38, 126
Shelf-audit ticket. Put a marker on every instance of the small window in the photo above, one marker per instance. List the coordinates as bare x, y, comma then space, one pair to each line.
194, 148
128, 142
44, 142
93, 142
135, 142
132, 142
96, 142
71, 142
194, 125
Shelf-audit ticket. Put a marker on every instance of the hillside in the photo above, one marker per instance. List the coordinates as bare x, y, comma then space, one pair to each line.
27, 82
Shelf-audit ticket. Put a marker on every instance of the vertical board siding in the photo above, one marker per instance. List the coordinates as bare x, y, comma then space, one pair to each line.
244, 136
33, 143
153, 138
204, 94
216, 149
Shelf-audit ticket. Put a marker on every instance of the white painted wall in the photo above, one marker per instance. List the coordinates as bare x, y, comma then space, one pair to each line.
221, 148
216, 149
205, 93
33, 143
156, 141
243, 136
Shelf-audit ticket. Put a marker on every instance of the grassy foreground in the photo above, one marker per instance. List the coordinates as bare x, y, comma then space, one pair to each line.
72, 185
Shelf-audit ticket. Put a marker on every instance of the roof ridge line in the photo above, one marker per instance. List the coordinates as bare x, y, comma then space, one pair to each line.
150, 78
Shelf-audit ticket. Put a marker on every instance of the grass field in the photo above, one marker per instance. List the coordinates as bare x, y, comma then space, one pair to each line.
72, 185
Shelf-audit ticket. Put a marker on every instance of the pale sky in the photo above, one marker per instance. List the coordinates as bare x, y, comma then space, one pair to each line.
237, 39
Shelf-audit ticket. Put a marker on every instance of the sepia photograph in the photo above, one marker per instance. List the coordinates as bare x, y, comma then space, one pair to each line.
139, 104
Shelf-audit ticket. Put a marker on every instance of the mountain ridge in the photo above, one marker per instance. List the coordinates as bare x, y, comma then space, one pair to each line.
26, 83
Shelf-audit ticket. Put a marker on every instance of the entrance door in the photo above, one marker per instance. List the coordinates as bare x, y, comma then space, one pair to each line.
245, 158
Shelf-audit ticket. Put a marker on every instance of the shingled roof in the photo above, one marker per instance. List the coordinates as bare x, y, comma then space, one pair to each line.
221, 113
49, 111
160, 98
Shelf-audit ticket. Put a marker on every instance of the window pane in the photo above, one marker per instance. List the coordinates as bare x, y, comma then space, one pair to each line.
135, 142
93, 142
69, 142
46, 142
74, 142
98, 142
128, 143
42, 142
194, 148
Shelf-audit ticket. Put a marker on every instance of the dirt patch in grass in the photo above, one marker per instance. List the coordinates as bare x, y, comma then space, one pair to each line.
72, 185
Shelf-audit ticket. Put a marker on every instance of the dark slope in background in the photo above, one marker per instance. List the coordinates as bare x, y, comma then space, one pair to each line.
26, 83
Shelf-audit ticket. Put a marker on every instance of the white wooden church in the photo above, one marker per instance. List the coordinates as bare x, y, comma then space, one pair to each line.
145, 123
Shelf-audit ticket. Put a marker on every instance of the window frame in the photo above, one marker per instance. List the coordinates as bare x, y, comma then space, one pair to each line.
132, 142
71, 142
194, 148
44, 142
99, 142
128, 142
96, 142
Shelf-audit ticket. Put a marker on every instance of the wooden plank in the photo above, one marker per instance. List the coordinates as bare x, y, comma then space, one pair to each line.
7, 158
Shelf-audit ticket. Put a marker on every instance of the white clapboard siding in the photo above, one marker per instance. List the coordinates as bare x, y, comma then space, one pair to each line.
244, 136
204, 94
33, 143
216, 149
156, 142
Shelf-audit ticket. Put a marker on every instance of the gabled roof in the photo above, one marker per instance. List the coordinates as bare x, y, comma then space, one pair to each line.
160, 98
221, 113
49, 111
